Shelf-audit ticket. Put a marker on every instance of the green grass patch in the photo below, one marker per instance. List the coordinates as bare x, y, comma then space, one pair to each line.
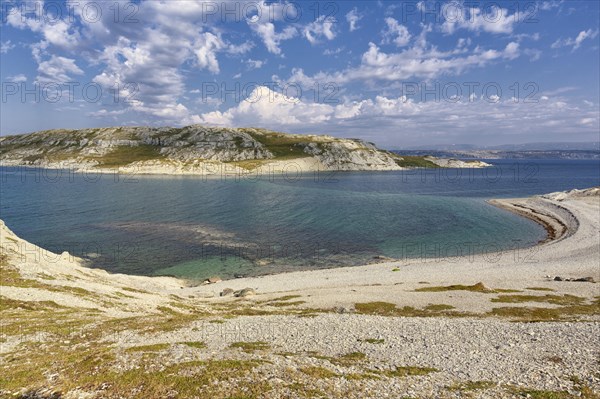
552, 299
168, 310
373, 341
286, 298
10, 276
539, 394
34, 317
351, 357
251, 346
361, 376
526, 313
93, 366
438, 307
479, 287
376, 308
406, 371
284, 304
7, 304
125, 155
195, 344
240, 308
390, 309
409, 161
150, 323
250, 164
138, 291
506, 290
569, 312
342, 360
282, 301
282, 146
183, 306
584, 391
472, 385
119, 295
303, 391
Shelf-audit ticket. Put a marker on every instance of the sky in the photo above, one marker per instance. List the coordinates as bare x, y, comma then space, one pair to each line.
398, 73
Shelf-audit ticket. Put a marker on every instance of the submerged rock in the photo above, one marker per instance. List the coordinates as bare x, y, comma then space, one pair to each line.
585, 279
382, 258
577, 280
343, 310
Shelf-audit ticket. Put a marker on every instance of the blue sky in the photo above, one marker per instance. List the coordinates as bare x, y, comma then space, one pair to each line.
399, 73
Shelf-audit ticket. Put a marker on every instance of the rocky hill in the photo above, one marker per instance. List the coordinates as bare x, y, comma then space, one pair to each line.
202, 150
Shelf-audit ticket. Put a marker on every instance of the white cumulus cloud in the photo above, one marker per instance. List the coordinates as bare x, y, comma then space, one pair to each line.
577, 41
353, 17
398, 118
493, 19
271, 38
396, 33
322, 27
6, 46
58, 70
20, 78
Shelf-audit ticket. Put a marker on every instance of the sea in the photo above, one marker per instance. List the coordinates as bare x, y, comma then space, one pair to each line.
232, 226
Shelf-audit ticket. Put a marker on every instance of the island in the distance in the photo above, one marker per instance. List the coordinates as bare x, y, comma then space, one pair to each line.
201, 150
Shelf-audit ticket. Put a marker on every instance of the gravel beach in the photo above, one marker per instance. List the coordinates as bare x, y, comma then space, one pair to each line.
521, 323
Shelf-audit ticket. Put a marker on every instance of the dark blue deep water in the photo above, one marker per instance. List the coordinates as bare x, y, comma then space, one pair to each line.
197, 227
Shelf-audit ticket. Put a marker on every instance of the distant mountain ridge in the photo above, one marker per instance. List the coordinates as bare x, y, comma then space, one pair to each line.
539, 146
564, 150
499, 154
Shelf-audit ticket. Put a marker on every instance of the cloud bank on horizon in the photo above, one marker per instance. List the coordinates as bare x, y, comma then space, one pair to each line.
394, 72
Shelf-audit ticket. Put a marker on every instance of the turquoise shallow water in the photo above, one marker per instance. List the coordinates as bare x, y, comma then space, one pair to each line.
196, 227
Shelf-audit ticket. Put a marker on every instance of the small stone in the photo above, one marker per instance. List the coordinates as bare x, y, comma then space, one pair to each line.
482, 287
343, 310
557, 278
212, 280
246, 292
226, 291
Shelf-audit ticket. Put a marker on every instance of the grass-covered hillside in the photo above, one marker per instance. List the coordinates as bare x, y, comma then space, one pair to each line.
245, 148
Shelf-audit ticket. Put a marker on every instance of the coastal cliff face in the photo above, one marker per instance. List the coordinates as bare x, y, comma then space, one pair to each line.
202, 150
